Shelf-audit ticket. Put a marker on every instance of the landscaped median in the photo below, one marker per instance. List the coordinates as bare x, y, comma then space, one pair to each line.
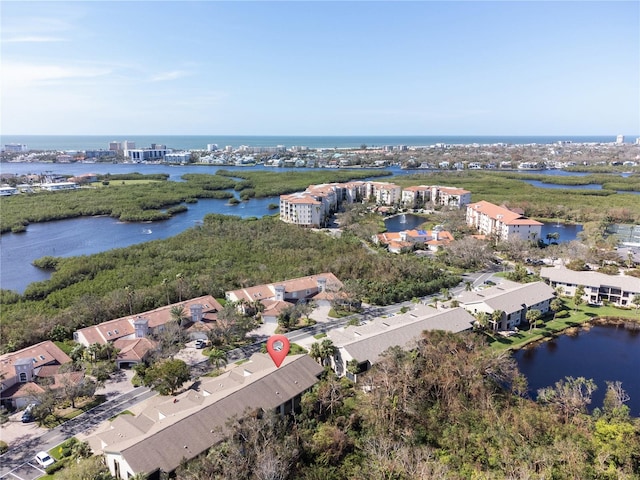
577, 316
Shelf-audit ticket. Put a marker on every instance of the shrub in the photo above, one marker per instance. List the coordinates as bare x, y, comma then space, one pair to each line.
3, 447
563, 314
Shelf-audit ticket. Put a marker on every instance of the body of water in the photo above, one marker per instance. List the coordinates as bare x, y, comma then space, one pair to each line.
89, 235
568, 232
540, 184
602, 353
399, 223
199, 142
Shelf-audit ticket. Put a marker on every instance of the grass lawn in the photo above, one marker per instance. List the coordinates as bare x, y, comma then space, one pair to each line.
552, 328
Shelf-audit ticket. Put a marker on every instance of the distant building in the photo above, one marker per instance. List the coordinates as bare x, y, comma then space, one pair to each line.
501, 222
620, 139
15, 148
178, 157
154, 153
59, 186
121, 146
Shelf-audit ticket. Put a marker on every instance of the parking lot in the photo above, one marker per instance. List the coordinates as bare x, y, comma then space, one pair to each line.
27, 471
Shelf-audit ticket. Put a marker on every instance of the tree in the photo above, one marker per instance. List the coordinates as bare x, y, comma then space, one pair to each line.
315, 352
533, 315
496, 318
577, 297
468, 285
570, 396
167, 376
179, 315
555, 306
552, 236
217, 357
73, 387
636, 301
327, 351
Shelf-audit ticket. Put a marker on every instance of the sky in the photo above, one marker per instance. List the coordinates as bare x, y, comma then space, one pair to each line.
320, 68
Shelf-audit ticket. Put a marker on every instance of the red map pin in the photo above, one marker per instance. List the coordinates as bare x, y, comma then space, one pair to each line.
278, 347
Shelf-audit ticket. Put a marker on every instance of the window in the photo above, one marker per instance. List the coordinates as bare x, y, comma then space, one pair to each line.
23, 377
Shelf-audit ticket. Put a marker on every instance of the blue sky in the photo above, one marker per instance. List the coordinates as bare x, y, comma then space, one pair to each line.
320, 68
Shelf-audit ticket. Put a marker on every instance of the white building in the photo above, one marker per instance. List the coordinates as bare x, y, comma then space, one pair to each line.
178, 157
598, 287
513, 299
155, 153
56, 187
15, 148
501, 222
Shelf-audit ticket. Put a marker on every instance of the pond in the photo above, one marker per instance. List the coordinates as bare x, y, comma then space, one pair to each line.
602, 353
399, 223
567, 231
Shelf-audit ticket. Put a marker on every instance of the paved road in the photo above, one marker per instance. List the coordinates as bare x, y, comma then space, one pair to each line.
15, 462
18, 462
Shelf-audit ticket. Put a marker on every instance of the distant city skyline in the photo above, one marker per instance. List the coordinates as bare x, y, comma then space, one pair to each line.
320, 68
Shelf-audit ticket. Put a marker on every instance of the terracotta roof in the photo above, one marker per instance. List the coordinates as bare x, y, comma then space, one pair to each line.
133, 350
43, 353
123, 327
505, 215
267, 291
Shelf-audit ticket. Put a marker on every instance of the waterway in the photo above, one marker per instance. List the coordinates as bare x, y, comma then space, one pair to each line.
602, 353
89, 235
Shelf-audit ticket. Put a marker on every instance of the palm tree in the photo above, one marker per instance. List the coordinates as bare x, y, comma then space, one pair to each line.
179, 314
217, 357
636, 301
315, 351
533, 316
165, 285
496, 318
328, 350
467, 286
555, 306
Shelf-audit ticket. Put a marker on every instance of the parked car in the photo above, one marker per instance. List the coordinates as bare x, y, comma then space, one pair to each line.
201, 343
27, 415
44, 459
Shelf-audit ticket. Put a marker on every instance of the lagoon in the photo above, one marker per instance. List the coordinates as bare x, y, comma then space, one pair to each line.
601, 352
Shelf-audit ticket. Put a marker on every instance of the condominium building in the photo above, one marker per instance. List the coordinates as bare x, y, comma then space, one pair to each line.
501, 222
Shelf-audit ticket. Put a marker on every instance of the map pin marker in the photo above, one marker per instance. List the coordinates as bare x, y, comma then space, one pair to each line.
278, 347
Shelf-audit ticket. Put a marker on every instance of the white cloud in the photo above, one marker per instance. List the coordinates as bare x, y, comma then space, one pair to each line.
33, 39
167, 76
20, 75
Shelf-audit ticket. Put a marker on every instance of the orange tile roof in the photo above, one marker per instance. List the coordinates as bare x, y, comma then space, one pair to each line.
494, 211
47, 349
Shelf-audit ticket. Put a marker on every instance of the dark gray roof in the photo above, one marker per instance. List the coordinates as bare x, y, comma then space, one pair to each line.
195, 433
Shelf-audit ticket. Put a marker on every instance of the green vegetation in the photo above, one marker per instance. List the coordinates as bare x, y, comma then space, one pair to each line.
562, 204
450, 409
137, 198
571, 316
222, 254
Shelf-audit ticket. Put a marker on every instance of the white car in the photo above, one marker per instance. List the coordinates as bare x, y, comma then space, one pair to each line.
44, 459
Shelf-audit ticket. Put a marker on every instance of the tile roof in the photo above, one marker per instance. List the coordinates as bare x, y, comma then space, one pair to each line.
112, 330
508, 217
267, 291
42, 353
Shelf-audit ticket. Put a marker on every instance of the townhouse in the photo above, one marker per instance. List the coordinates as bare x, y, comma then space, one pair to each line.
406, 240
365, 343
171, 430
490, 219
276, 297
23, 370
598, 287
130, 334
512, 299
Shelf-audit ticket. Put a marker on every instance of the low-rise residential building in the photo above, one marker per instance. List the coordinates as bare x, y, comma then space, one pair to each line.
59, 186
490, 219
598, 287
513, 299
154, 153
275, 297
365, 343
21, 371
398, 242
130, 334
171, 430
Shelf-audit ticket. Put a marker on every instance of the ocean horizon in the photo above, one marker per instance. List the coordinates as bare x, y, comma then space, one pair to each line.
199, 142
